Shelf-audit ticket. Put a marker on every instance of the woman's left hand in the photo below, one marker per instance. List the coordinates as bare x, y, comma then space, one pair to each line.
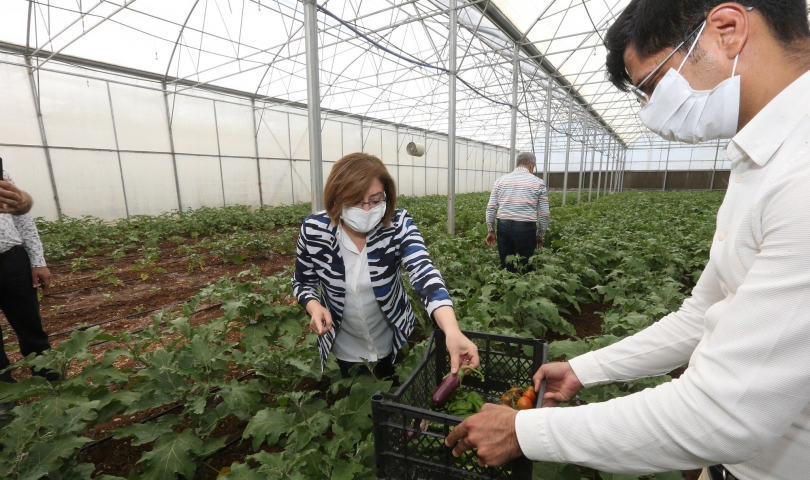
463, 352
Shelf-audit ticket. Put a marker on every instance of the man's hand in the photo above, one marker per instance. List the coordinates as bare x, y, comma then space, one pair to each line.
43, 275
321, 321
562, 384
539, 242
492, 432
13, 200
491, 239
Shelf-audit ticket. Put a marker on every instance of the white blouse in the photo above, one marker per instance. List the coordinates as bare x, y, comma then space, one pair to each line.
365, 333
744, 401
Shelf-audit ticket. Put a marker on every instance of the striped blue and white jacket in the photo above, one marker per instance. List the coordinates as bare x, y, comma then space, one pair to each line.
319, 265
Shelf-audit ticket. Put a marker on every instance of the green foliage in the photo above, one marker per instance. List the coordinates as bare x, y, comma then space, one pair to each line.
638, 253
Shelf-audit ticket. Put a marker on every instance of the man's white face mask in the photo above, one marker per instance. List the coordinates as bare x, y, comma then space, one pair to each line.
677, 112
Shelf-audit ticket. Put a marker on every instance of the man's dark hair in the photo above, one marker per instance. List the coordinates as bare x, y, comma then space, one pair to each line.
651, 26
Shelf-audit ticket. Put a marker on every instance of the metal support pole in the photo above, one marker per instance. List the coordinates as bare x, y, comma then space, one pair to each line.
593, 159
171, 145
256, 146
582, 159
547, 157
666, 168
714, 167
35, 95
513, 133
314, 104
601, 159
608, 151
451, 124
219, 156
118, 150
568, 147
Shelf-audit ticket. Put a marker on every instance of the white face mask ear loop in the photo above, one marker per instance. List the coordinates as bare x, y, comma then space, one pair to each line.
734, 70
692, 48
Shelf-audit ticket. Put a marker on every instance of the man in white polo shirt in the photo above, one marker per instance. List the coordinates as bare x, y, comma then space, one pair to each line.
703, 70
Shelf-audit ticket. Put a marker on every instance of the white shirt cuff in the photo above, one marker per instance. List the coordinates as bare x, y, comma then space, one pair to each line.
531, 427
589, 371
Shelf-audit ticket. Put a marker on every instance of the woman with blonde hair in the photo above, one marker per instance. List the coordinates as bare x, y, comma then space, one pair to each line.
353, 253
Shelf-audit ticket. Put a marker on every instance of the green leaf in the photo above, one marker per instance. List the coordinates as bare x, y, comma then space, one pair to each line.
269, 424
45, 457
172, 454
240, 399
146, 432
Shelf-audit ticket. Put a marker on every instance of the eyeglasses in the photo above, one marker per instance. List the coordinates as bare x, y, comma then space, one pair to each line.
371, 203
642, 97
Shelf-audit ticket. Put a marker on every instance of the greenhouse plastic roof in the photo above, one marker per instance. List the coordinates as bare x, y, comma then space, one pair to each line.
381, 59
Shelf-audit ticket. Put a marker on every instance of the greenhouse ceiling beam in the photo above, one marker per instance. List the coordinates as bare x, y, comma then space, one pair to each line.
122, 7
507, 27
290, 38
74, 22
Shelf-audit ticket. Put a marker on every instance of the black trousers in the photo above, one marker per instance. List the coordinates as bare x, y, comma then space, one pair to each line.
19, 303
516, 238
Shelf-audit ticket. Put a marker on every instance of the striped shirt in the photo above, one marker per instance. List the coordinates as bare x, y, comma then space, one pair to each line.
519, 196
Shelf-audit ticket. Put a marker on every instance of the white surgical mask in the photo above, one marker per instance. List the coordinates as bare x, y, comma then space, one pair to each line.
362, 221
677, 112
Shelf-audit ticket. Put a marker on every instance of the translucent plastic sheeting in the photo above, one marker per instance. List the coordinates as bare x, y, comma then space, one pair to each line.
149, 183
277, 185
140, 119
200, 181
89, 183
18, 121
29, 169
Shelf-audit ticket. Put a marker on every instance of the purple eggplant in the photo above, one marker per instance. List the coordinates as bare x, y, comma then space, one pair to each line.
446, 389
450, 384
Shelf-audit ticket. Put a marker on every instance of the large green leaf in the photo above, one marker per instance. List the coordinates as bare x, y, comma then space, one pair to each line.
268, 425
45, 457
172, 455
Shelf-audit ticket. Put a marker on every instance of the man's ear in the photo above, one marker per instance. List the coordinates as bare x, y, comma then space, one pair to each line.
728, 28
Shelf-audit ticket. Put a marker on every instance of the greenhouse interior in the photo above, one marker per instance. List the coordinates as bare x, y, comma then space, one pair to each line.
172, 151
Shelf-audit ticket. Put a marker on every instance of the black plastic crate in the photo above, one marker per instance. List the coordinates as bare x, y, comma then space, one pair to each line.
403, 455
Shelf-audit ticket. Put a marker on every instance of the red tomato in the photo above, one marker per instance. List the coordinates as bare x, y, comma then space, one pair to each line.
524, 404
530, 395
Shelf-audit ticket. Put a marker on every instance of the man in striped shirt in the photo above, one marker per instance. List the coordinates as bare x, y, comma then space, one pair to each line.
521, 202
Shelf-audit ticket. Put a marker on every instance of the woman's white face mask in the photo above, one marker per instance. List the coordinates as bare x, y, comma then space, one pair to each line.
362, 221
677, 112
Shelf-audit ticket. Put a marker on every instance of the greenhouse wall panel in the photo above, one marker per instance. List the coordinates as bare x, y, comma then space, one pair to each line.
200, 181
235, 130
403, 139
89, 183
18, 122
301, 181
194, 126
443, 181
76, 112
405, 180
332, 138
140, 119
372, 144
274, 134
419, 181
28, 168
299, 138
277, 182
389, 150
149, 182
240, 177
352, 138
431, 181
